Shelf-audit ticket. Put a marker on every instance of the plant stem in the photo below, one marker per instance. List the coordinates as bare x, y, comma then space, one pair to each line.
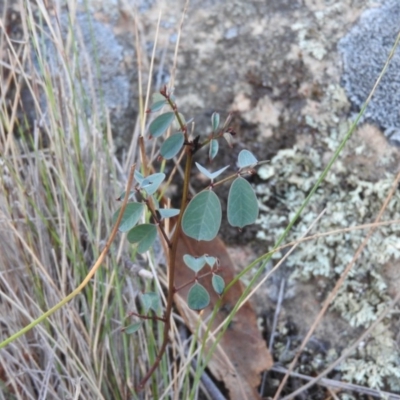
173, 249
171, 272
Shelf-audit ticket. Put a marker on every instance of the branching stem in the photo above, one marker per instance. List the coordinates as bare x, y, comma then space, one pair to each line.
174, 247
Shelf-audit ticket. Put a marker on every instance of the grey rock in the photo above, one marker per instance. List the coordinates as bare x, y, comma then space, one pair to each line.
364, 51
96, 74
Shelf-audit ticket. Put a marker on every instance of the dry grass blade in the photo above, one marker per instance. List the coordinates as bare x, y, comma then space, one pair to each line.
331, 383
56, 205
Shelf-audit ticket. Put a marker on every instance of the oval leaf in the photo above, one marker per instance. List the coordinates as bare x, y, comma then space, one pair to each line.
194, 263
132, 214
132, 328
144, 235
130, 197
161, 124
168, 212
210, 260
150, 301
202, 217
183, 120
213, 149
246, 159
218, 284
139, 177
215, 121
242, 203
158, 105
152, 182
198, 297
170, 148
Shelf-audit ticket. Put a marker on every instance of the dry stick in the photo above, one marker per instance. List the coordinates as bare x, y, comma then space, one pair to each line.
348, 268
89, 276
331, 383
339, 283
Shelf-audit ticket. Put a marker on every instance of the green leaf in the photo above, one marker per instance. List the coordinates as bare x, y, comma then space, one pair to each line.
170, 148
130, 197
198, 297
158, 105
157, 96
138, 176
176, 123
150, 301
242, 203
194, 263
132, 328
132, 214
144, 235
210, 175
161, 124
218, 283
213, 149
168, 212
152, 182
246, 159
210, 260
215, 121
202, 217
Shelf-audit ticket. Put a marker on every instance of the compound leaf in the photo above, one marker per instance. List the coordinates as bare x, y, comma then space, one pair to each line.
170, 148
131, 216
161, 124
198, 297
218, 283
202, 217
144, 235
246, 159
208, 174
194, 263
242, 204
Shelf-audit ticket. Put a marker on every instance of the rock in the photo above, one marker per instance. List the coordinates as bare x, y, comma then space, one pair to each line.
365, 50
93, 70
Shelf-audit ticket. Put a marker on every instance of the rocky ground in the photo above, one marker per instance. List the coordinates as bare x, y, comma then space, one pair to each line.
287, 72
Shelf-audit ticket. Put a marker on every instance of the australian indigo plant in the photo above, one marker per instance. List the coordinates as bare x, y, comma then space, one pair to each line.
200, 218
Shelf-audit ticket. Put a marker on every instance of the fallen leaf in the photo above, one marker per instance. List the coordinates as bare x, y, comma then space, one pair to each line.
241, 354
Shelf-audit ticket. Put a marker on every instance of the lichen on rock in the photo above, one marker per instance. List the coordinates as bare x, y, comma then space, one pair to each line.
364, 51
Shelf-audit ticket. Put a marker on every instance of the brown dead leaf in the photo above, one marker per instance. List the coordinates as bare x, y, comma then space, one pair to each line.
241, 354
